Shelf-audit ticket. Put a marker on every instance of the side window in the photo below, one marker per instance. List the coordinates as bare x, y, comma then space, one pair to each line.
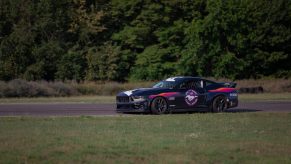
191, 85
208, 83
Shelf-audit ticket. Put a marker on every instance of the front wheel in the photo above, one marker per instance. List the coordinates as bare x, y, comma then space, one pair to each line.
219, 104
159, 106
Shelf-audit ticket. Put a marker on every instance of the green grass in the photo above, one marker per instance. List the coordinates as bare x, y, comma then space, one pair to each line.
181, 138
265, 97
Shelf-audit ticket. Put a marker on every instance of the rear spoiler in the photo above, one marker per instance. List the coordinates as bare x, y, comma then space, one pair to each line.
229, 84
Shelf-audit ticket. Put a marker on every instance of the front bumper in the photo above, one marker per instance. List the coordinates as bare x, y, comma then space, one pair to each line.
140, 107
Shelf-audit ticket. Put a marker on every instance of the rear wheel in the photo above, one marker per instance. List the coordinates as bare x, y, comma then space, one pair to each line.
219, 104
159, 106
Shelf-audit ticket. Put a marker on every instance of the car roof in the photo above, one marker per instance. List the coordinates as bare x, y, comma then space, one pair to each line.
182, 78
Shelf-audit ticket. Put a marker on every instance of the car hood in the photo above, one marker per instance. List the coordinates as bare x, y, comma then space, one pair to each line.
144, 92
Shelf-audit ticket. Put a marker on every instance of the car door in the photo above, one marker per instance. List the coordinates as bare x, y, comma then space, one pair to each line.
192, 94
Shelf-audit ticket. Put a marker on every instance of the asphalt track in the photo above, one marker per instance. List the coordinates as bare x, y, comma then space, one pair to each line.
109, 109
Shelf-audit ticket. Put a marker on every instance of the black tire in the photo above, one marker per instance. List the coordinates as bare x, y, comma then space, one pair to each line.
218, 104
159, 106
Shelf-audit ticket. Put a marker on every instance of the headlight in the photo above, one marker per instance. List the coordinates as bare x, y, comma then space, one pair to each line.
138, 98
233, 94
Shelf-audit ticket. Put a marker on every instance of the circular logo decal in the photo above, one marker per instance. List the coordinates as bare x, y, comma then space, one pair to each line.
191, 97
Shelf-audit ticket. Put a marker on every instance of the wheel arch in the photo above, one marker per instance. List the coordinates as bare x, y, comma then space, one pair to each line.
151, 101
217, 95
213, 101
214, 97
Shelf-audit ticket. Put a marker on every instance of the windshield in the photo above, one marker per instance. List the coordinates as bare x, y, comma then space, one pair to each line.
165, 84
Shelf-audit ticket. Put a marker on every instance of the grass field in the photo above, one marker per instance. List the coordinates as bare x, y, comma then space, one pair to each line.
181, 138
265, 97
111, 99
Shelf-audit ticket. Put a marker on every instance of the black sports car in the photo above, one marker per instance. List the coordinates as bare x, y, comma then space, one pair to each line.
179, 94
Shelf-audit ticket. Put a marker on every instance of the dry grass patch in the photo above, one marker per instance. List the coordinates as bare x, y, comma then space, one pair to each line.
21, 88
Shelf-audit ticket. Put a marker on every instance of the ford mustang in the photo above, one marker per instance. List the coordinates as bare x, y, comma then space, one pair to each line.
179, 94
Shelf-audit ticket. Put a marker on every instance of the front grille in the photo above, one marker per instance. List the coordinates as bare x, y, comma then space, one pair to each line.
124, 106
123, 99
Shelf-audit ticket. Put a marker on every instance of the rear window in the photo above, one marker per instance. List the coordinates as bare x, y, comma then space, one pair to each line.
210, 85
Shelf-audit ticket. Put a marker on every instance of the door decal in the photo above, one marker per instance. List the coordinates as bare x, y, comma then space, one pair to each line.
191, 97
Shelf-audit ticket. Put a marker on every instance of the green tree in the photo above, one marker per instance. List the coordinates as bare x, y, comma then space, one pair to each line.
144, 39
71, 66
239, 39
86, 22
103, 63
46, 57
16, 38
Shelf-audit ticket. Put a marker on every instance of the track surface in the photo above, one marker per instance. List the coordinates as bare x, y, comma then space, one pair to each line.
109, 109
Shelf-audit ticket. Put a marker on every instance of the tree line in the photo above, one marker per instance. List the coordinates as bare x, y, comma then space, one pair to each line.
120, 40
